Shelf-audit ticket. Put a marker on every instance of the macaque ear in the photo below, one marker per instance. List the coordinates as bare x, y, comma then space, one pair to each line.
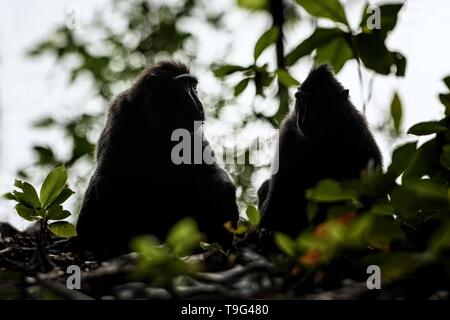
344, 94
149, 82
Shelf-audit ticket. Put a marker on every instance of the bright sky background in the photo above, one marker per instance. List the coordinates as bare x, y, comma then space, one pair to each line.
30, 89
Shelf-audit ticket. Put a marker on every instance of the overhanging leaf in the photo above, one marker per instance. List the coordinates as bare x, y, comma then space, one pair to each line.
336, 52
286, 79
269, 37
320, 37
447, 82
424, 162
240, 87
388, 18
402, 156
253, 4
330, 9
375, 55
426, 128
227, 69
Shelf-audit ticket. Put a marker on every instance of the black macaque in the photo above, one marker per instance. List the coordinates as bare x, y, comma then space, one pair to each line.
323, 137
136, 187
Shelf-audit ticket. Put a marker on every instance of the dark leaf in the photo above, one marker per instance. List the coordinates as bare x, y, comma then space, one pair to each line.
402, 157
285, 78
240, 87
445, 157
269, 37
388, 18
26, 212
330, 9
320, 37
227, 69
426, 128
329, 191
336, 52
57, 213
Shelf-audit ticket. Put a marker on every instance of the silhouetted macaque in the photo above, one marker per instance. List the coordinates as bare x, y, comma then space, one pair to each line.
136, 187
323, 137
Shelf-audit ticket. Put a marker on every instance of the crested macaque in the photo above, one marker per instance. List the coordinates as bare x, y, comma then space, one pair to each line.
324, 137
136, 187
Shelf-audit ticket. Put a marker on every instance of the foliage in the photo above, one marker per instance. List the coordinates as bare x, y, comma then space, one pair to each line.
48, 205
401, 214
162, 263
153, 32
400, 218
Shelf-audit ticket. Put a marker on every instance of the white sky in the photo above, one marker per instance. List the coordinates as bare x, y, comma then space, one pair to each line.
30, 89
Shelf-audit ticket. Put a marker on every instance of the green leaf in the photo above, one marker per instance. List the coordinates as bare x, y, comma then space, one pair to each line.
402, 157
447, 82
426, 128
384, 231
21, 198
269, 37
441, 239
421, 197
241, 229
396, 112
285, 243
44, 123
53, 185
63, 229
329, 191
26, 212
184, 237
375, 55
253, 215
227, 69
330, 9
57, 213
29, 195
65, 194
445, 100
336, 52
359, 230
445, 157
240, 87
10, 196
320, 37
253, 4
285, 78
424, 162
388, 18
